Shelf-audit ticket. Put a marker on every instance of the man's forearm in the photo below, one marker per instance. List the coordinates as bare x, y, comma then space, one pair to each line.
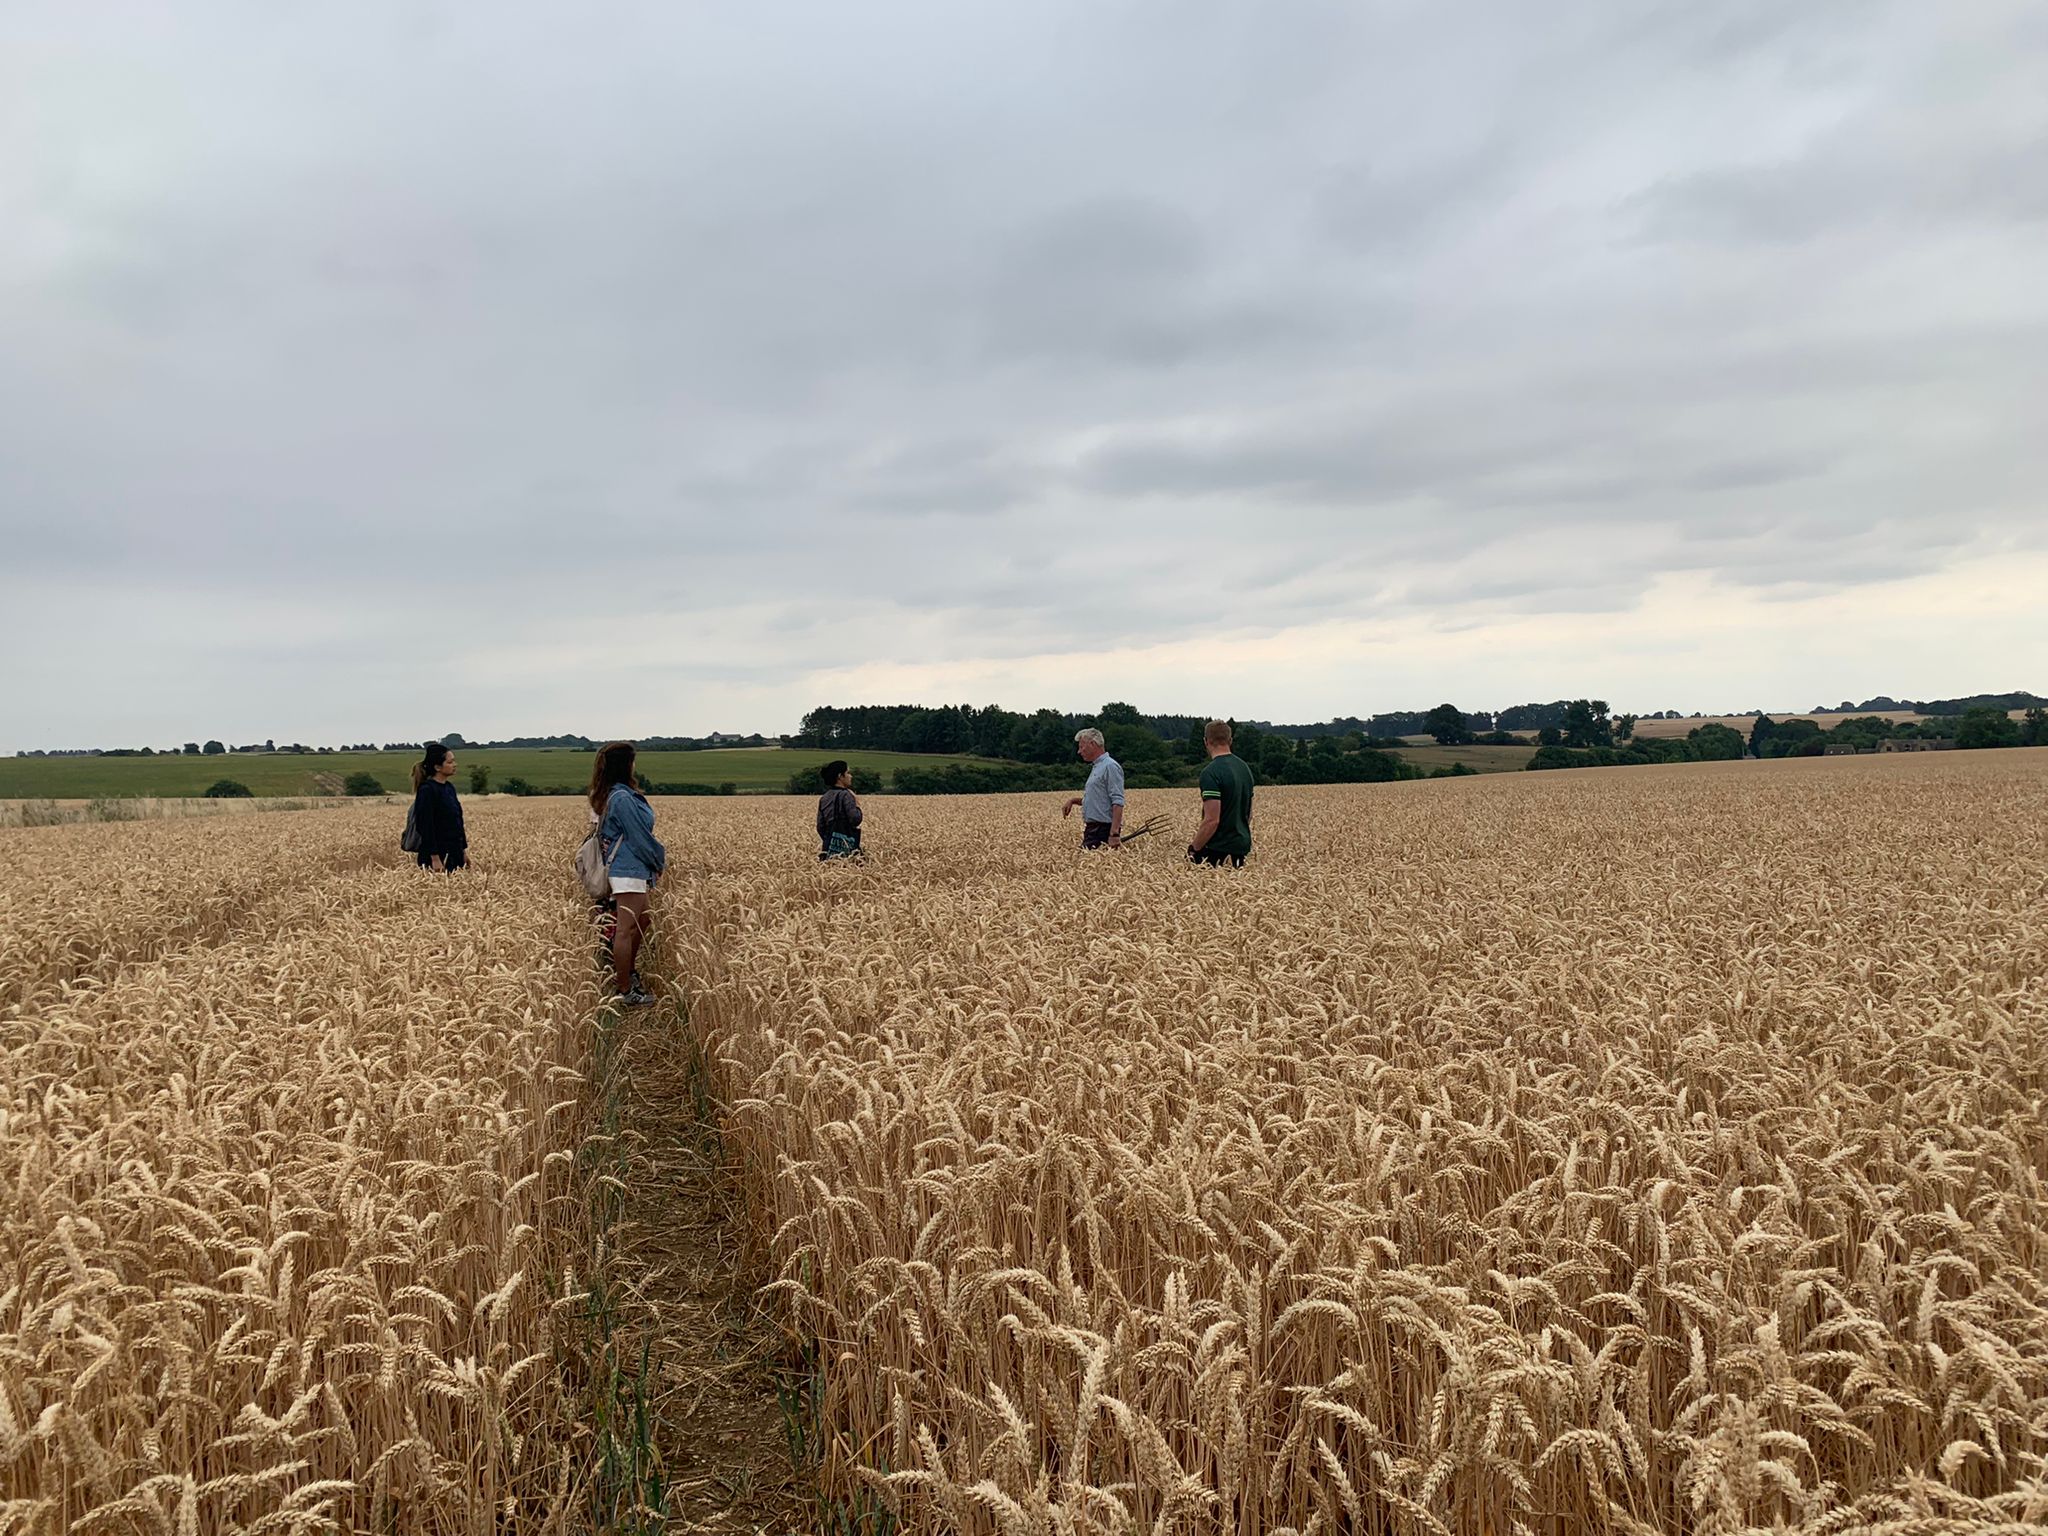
1211, 820
1116, 821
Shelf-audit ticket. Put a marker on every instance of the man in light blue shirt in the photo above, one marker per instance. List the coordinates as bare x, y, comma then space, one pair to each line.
1102, 799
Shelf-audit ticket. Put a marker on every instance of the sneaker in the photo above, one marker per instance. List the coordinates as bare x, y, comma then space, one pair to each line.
635, 998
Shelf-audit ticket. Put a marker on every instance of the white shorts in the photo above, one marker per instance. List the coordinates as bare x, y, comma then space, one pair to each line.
626, 885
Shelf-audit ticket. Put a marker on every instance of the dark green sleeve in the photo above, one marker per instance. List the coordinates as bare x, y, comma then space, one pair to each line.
1212, 781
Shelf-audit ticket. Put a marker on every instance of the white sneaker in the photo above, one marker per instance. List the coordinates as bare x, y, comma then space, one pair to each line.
635, 998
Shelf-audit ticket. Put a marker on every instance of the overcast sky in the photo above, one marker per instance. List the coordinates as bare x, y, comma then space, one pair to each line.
373, 370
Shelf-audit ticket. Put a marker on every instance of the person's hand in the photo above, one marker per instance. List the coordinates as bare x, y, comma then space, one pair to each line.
1116, 840
1068, 808
1193, 853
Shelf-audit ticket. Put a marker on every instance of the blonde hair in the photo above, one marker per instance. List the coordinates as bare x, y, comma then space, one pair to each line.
1217, 733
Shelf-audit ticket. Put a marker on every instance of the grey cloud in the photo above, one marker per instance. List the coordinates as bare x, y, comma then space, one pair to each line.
1383, 206
1843, 188
1127, 282
920, 331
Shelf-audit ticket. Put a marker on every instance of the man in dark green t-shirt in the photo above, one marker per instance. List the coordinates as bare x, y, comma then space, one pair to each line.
1226, 829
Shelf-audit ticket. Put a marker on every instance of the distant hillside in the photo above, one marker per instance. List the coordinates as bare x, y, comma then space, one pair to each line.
1885, 703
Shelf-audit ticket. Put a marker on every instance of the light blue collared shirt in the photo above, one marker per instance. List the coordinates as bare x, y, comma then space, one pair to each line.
1105, 789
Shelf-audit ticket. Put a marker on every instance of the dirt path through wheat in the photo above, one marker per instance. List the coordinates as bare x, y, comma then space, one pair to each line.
703, 1356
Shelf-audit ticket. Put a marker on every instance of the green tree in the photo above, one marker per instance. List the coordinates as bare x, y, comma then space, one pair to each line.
1624, 727
1118, 714
229, 789
1549, 736
213, 749
1130, 743
1715, 743
191, 749
1044, 738
1797, 738
1863, 733
2034, 730
479, 780
454, 739
1447, 724
1276, 756
1586, 724
1987, 728
362, 784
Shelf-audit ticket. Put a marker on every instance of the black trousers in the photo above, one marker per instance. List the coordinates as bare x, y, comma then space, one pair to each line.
1094, 834
1215, 856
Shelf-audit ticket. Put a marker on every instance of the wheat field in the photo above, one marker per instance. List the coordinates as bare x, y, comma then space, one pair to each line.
1640, 1150
284, 1130
1632, 1150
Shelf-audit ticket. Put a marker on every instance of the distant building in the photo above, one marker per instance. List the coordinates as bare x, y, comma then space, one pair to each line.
1915, 744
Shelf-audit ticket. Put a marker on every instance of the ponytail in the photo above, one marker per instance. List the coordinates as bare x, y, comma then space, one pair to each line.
424, 768
614, 766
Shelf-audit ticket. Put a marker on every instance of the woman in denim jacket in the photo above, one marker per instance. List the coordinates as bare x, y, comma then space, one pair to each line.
635, 859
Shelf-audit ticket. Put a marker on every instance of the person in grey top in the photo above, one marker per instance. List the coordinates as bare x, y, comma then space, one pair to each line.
839, 813
1102, 798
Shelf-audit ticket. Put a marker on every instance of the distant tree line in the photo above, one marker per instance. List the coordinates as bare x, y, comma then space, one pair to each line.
1587, 736
712, 742
1047, 735
1590, 740
1707, 743
1999, 702
1972, 729
1156, 751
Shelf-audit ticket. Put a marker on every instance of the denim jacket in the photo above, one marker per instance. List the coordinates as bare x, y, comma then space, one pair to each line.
628, 834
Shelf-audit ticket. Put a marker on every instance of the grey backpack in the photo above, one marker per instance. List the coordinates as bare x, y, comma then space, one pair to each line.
593, 868
409, 839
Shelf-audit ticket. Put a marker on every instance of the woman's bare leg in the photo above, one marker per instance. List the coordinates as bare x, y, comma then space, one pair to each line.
632, 924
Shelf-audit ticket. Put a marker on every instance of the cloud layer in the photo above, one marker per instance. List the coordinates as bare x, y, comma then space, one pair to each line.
391, 368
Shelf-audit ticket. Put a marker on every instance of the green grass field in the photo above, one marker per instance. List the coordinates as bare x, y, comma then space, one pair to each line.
80, 778
1478, 759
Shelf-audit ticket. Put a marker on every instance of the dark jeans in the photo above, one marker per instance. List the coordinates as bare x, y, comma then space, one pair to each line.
1215, 856
1094, 834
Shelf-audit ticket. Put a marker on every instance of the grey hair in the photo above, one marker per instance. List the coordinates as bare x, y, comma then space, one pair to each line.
1090, 734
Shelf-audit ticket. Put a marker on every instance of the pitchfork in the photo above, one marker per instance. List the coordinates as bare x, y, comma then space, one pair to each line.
1149, 824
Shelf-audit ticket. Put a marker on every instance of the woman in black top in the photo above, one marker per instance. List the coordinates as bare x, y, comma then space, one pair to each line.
436, 812
839, 814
